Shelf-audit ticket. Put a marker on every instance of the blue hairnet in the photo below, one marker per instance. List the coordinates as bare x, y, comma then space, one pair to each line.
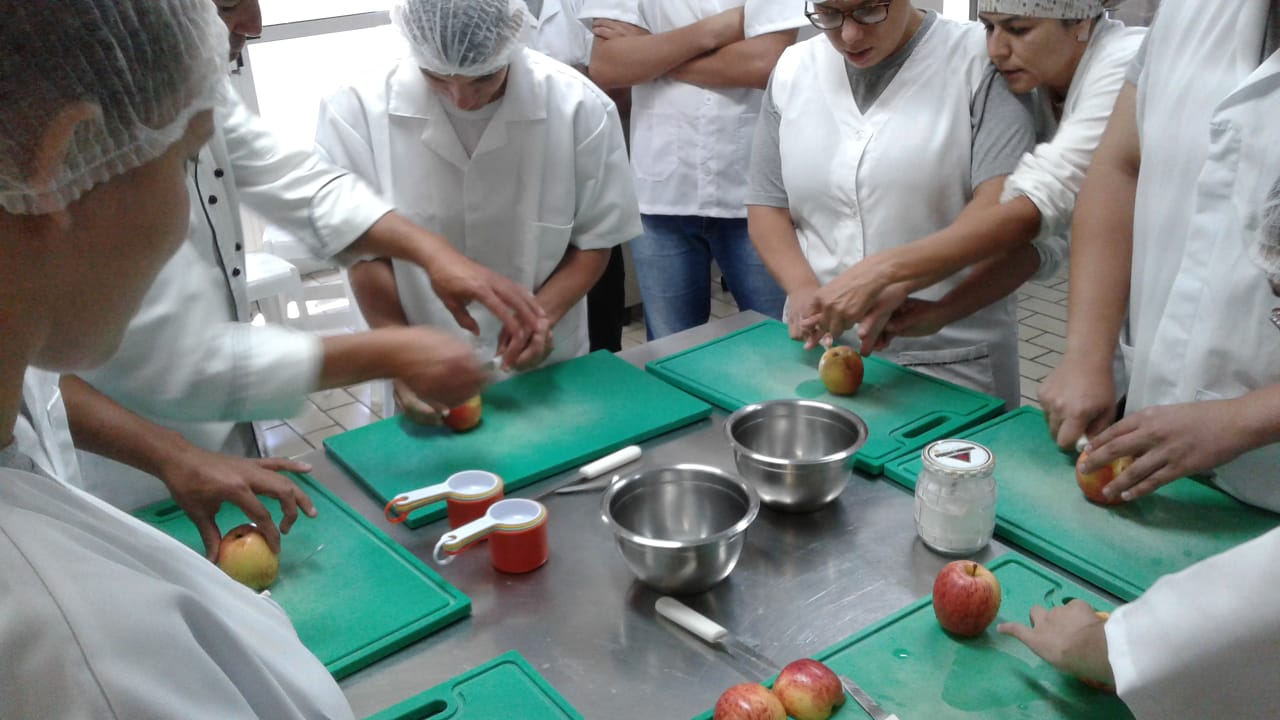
144, 66
462, 37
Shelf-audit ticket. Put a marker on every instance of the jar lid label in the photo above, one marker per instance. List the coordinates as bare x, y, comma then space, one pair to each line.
959, 455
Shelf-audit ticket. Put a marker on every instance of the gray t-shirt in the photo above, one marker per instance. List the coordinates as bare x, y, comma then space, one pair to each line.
1002, 125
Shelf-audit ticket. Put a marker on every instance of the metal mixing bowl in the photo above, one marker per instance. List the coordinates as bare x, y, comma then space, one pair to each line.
796, 453
680, 529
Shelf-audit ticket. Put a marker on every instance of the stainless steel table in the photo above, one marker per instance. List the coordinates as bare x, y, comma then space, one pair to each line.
803, 583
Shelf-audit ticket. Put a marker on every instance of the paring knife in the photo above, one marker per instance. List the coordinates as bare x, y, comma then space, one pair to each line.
720, 638
612, 461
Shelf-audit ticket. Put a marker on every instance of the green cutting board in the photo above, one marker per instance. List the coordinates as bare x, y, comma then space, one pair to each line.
903, 409
911, 667
505, 688
534, 425
1121, 548
358, 598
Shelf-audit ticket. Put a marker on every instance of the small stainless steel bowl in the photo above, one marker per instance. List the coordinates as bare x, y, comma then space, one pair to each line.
796, 453
680, 529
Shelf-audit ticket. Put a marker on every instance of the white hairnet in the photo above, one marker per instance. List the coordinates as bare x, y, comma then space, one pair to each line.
1267, 248
462, 37
147, 66
1060, 9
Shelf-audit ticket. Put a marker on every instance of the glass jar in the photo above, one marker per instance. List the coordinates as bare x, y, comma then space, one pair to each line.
956, 497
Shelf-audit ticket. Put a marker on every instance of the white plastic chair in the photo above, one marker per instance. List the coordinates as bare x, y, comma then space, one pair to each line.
273, 283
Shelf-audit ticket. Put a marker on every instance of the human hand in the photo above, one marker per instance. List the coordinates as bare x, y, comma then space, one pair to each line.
432, 369
1166, 442
524, 357
871, 328
1078, 398
459, 281
613, 29
914, 318
794, 314
846, 300
1071, 637
200, 481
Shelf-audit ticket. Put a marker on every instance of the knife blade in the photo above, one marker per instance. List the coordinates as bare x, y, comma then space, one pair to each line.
719, 637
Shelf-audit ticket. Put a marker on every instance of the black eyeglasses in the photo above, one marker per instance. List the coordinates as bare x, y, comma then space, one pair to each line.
868, 14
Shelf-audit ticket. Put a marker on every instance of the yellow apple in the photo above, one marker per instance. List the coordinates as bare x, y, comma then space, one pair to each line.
840, 370
245, 556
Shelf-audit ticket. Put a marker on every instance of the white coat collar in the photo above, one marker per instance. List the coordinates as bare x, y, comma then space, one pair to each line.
550, 8
409, 95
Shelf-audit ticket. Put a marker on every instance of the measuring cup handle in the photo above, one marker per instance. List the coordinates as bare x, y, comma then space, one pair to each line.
455, 540
401, 505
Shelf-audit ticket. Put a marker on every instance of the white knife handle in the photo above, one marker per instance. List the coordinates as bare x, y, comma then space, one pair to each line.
1081, 443
690, 619
609, 462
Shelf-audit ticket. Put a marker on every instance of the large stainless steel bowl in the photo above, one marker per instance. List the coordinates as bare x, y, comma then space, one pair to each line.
680, 529
796, 453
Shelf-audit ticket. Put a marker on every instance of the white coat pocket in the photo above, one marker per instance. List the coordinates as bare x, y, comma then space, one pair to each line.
655, 145
966, 366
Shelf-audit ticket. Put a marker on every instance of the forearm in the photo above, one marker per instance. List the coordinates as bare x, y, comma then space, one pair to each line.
350, 359
577, 273
988, 282
745, 64
1259, 417
774, 237
99, 425
635, 59
394, 236
985, 229
374, 285
1102, 239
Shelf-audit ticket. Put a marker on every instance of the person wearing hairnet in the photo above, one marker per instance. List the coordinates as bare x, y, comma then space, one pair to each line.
1166, 223
696, 68
890, 128
102, 616
1069, 60
177, 421
515, 158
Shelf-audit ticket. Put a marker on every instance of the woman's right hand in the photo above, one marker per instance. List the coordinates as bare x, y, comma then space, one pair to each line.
794, 314
1079, 398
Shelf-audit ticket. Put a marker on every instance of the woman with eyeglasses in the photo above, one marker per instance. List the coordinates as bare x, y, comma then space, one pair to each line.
1068, 59
892, 128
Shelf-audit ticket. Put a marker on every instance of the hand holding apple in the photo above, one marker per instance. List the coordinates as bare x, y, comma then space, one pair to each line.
808, 690
1091, 484
840, 369
244, 555
465, 416
748, 701
966, 598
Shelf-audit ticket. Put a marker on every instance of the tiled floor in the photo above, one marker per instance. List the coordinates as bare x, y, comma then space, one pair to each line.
1042, 316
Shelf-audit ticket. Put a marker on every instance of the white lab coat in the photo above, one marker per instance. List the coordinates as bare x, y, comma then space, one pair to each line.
859, 183
1198, 306
690, 146
188, 360
1050, 175
42, 432
550, 171
102, 616
557, 33
1205, 642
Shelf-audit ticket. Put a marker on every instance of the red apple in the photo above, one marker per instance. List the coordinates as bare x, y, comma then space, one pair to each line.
1091, 484
465, 416
748, 701
245, 556
840, 370
966, 598
808, 690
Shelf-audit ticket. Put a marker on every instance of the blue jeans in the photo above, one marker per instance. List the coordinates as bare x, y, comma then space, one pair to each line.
673, 269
